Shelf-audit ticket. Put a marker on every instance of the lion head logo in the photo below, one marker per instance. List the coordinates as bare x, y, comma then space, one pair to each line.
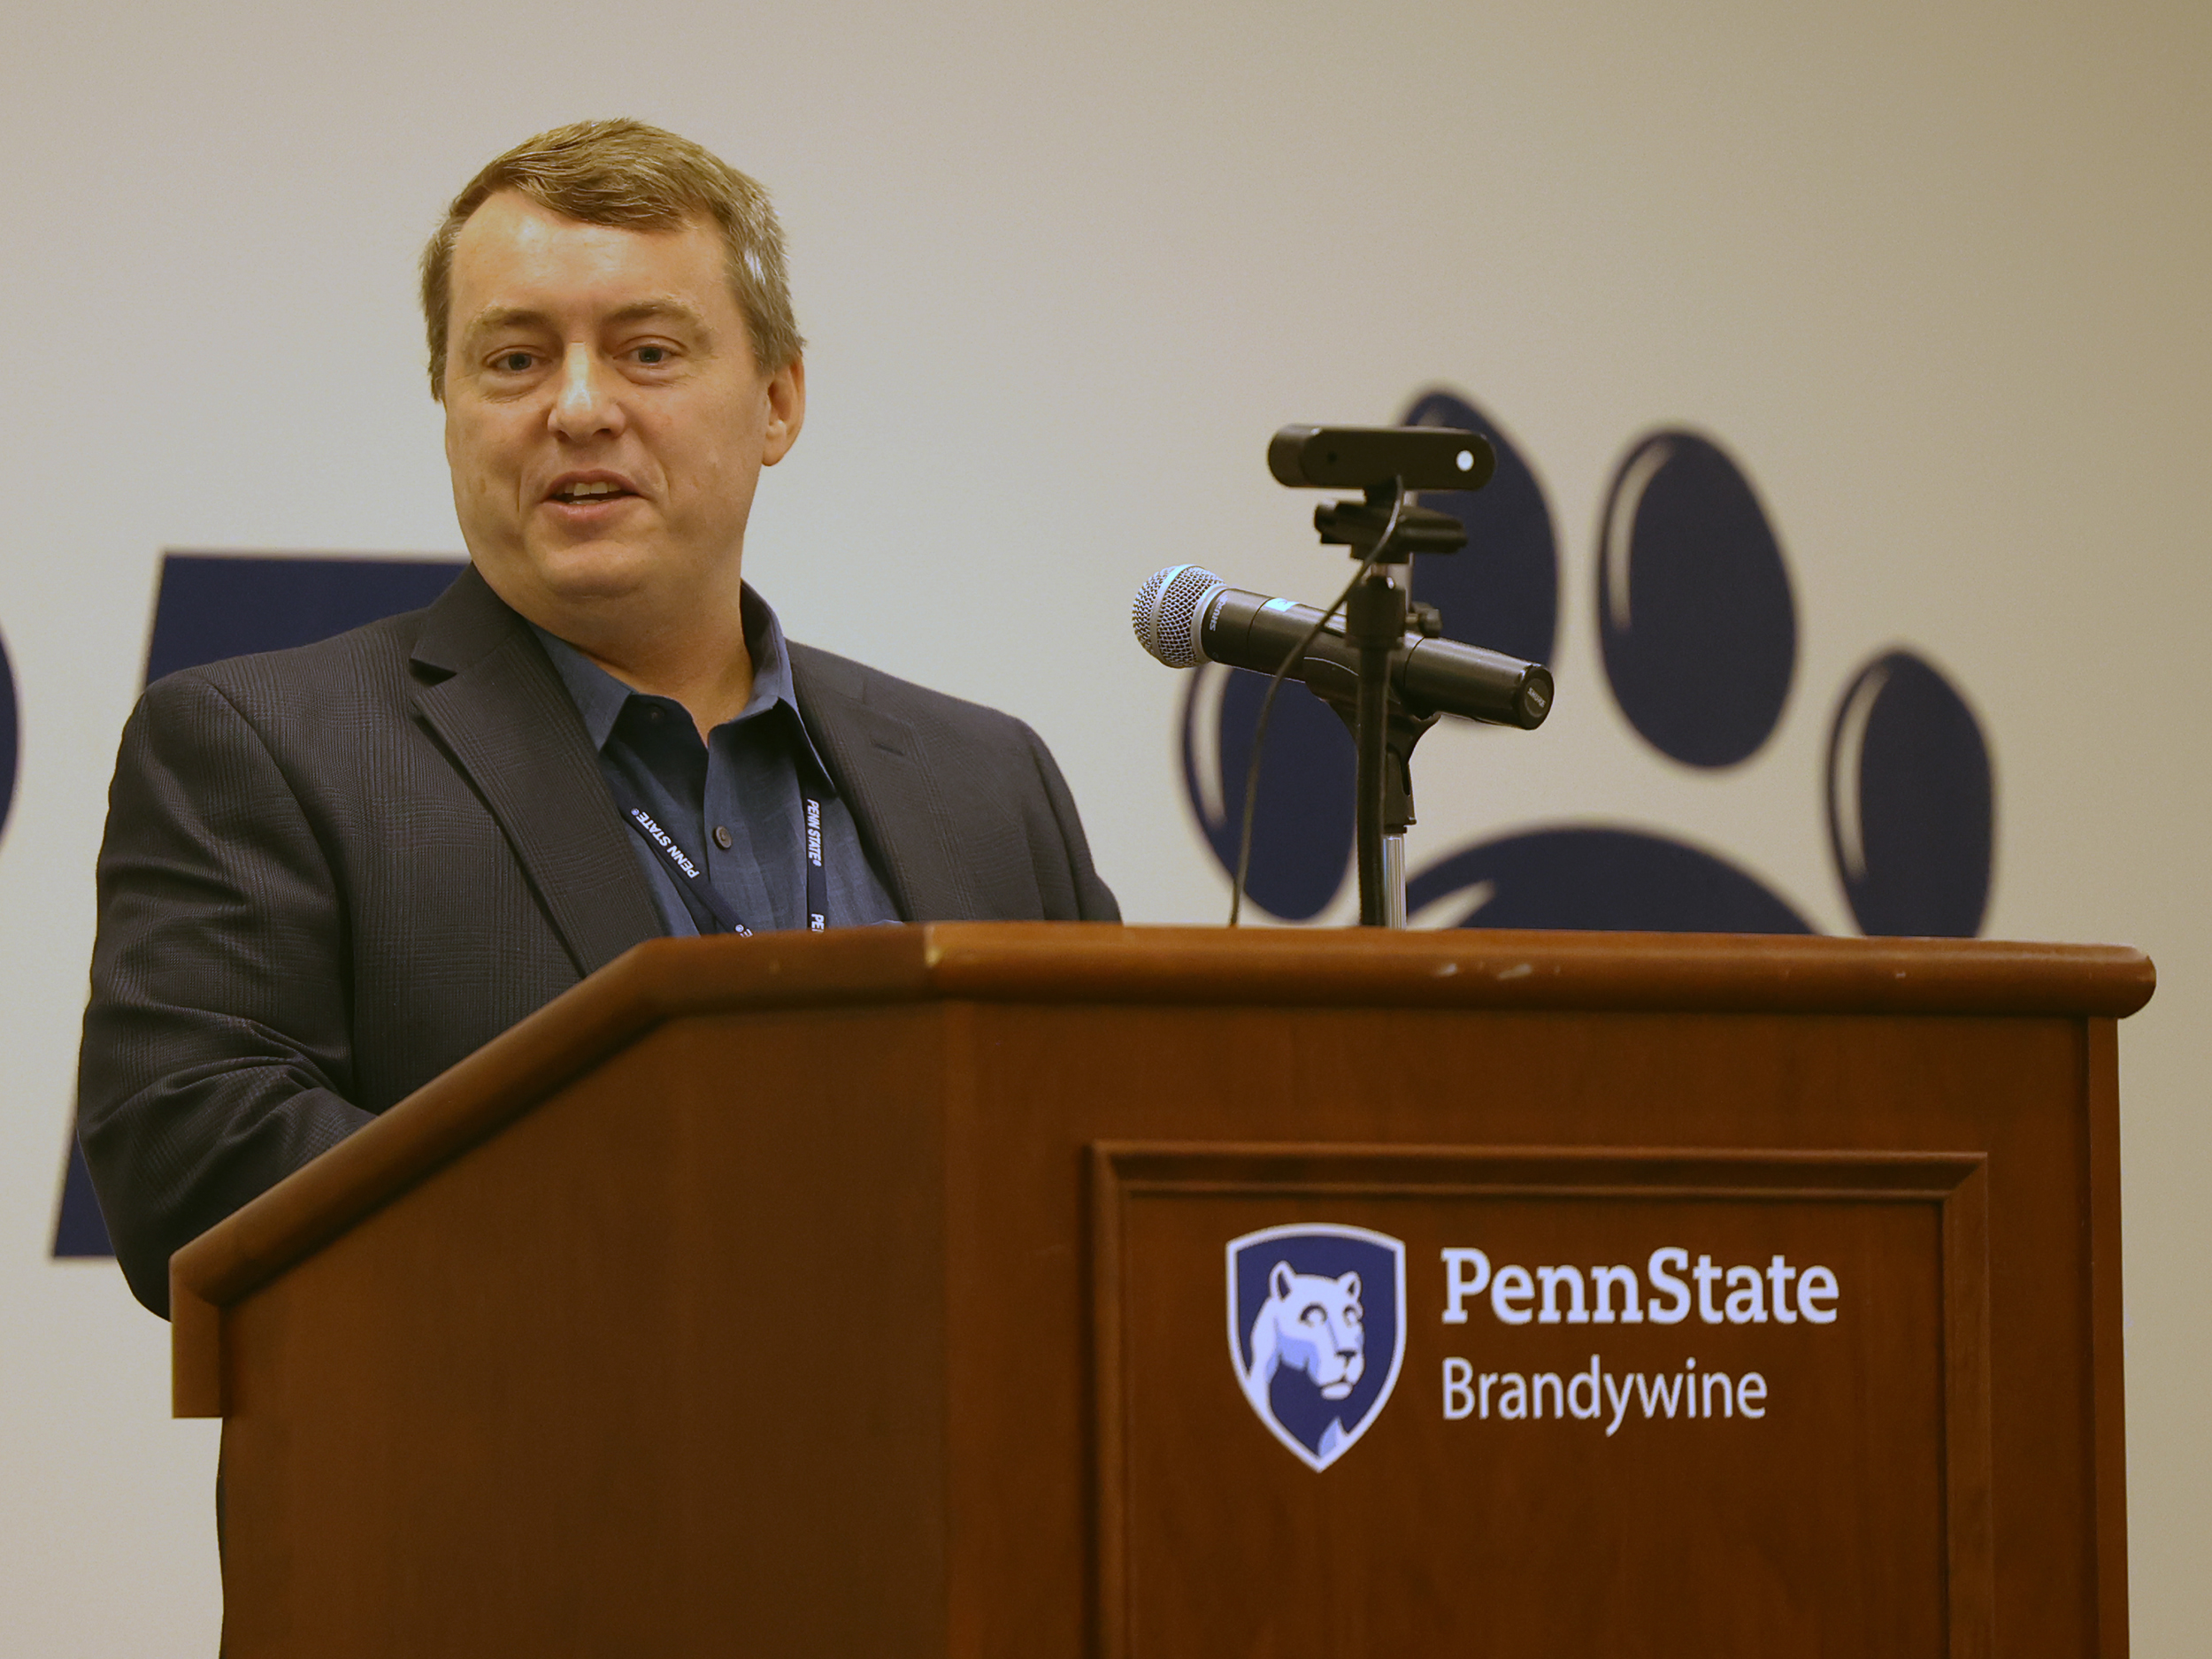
1303, 1323
1311, 1324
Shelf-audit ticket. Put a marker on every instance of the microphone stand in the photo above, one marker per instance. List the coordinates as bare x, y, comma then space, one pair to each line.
1384, 531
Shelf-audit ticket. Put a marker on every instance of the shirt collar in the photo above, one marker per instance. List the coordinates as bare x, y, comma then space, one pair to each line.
600, 697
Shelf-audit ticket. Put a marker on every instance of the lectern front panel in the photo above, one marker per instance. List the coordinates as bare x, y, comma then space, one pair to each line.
1526, 1400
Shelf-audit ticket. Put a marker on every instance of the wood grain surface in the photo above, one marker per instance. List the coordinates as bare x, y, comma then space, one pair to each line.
864, 1294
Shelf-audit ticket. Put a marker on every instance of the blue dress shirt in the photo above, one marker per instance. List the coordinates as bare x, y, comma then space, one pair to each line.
736, 802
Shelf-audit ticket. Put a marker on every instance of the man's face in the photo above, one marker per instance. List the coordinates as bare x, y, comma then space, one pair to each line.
605, 421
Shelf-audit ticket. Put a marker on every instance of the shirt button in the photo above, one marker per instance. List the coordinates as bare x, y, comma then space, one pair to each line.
722, 838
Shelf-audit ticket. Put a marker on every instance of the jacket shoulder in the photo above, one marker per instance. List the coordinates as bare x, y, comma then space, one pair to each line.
367, 664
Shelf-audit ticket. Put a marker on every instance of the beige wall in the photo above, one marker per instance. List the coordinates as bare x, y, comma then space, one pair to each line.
1937, 275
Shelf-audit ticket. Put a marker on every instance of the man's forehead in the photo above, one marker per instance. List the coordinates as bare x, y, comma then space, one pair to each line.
516, 213
514, 254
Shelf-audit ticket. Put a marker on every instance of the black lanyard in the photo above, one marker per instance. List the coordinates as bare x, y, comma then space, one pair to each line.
710, 912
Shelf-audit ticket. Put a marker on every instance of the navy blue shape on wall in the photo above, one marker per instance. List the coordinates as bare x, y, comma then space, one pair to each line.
1693, 602
1302, 839
211, 606
80, 1231
10, 752
214, 605
1911, 802
1502, 589
1602, 879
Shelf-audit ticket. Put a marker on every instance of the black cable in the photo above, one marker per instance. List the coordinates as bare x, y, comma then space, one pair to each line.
1267, 707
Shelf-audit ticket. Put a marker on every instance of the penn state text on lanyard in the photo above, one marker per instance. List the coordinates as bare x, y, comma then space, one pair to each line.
710, 912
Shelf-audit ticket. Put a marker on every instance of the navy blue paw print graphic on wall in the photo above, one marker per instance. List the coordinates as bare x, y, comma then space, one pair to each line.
1501, 591
8, 728
1912, 817
1621, 879
1698, 626
1693, 602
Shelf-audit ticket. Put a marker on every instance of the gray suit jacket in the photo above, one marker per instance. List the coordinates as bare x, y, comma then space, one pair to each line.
331, 873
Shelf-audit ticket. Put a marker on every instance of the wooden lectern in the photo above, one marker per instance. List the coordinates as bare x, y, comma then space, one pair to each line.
1160, 1293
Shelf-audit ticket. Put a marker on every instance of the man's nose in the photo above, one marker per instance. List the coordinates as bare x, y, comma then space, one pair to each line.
586, 399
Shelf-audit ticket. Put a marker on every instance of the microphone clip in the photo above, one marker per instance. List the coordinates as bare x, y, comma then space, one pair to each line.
1359, 525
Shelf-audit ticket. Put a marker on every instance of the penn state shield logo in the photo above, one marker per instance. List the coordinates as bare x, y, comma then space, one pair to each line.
1317, 1331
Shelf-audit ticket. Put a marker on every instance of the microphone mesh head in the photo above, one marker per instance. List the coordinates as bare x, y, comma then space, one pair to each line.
1165, 614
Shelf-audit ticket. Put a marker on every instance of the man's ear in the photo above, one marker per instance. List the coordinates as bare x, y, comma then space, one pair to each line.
786, 410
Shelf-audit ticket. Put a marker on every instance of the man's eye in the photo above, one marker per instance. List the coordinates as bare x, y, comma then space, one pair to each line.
513, 361
652, 356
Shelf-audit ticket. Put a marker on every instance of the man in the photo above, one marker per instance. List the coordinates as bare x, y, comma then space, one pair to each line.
330, 873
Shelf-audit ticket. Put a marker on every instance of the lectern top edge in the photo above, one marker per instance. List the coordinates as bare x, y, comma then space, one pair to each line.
1496, 968
1080, 963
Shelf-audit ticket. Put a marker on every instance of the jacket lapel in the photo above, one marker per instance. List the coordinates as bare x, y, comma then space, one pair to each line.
873, 758
486, 689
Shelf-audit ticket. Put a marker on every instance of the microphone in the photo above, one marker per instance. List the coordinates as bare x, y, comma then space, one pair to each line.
1186, 615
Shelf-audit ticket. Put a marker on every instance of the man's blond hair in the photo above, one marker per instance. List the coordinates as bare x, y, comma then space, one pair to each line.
624, 172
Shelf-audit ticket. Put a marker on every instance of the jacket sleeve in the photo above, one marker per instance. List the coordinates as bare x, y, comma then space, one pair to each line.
1093, 900
217, 1054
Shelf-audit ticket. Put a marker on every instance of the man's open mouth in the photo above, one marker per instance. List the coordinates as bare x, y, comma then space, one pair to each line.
572, 493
